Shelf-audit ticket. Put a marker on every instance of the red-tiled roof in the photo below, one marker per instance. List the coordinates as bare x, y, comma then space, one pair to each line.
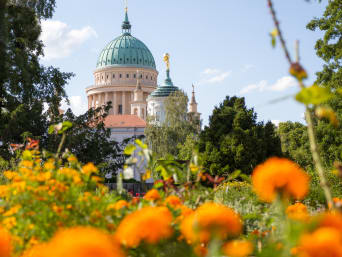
124, 121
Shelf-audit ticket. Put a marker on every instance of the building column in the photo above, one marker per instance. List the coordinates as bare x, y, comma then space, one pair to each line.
96, 97
106, 98
89, 102
123, 102
115, 103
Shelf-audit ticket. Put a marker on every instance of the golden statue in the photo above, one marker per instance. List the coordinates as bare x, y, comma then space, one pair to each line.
167, 60
126, 6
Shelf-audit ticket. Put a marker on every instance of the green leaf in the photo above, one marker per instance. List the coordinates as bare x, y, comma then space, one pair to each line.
234, 175
245, 178
274, 42
129, 149
65, 126
314, 95
141, 144
51, 129
158, 185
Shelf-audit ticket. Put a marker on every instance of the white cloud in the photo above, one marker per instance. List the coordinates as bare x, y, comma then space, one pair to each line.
210, 71
214, 76
282, 84
254, 87
60, 40
77, 105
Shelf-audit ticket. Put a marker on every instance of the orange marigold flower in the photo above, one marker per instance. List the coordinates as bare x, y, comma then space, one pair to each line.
151, 195
72, 158
89, 168
12, 211
297, 211
83, 242
5, 243
120, 204
149, 224
279, 175
201, 250
39, 250
210, 219
324, 241
173, 201
238, 248
331, 219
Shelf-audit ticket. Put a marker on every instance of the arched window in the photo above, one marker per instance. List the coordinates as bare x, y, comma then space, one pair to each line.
120, 76
127, 76
135, 111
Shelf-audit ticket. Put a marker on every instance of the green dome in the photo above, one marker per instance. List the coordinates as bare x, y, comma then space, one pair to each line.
126, 51
166, 88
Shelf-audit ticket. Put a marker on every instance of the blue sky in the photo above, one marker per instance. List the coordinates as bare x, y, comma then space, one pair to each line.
222, 46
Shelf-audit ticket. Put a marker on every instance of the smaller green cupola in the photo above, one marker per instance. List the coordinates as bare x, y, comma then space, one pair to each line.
167, 87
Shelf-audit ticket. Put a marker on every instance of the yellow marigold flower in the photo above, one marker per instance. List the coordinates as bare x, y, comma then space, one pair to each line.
3, 190
89, 168
151, 195
72, 158
173, 201
154, 224
324, 241
279, 175
208, 220
83, 242
238, 248
12, 211
27, 164
5, 243
297, 211
43, 176
10, 174
9, 222
49, 166
120, 204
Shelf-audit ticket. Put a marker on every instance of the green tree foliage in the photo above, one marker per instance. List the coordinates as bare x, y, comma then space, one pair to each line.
165, 138
329, 47
235, 140
25, 85
89, 140
329, 137
295, 143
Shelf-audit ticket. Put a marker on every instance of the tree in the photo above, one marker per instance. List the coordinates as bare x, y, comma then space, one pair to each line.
329, 47
165, 138
25, 85
295, 143
235, 140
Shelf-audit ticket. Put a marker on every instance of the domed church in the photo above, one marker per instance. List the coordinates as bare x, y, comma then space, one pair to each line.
126, 75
